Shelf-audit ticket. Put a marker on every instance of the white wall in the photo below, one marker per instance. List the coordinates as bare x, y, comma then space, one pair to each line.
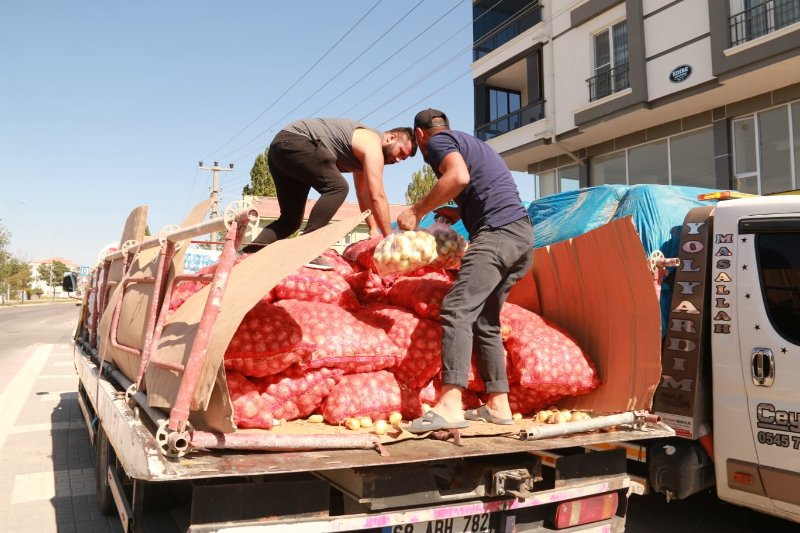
572, 57
674, 26
697, 55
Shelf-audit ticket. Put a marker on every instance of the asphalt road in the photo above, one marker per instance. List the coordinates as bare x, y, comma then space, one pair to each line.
22, 327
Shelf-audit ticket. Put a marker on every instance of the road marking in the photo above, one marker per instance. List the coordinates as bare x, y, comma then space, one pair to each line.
19, 390
54, 484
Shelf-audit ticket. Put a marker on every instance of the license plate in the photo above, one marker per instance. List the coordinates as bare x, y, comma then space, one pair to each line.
478, 523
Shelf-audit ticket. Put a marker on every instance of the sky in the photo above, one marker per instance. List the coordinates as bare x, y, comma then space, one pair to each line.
107, 106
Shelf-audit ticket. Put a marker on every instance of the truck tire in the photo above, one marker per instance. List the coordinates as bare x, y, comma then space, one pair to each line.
104, 458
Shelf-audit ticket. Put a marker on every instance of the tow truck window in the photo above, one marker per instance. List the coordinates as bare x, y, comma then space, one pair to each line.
779, 262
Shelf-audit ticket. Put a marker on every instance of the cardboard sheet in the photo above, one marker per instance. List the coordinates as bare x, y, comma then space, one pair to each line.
250, 281
133, 230
138, 296
598, 288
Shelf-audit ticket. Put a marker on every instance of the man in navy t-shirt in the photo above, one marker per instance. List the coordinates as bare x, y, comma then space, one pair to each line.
500, 253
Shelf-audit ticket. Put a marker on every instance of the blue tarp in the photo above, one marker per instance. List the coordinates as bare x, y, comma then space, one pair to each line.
658, 212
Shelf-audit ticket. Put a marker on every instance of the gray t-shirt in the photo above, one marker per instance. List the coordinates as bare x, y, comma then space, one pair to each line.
335, 134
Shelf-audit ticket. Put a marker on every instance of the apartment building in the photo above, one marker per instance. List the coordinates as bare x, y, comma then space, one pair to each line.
580, 93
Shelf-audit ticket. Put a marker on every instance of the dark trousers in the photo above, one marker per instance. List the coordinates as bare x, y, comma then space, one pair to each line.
297, 165
496, 259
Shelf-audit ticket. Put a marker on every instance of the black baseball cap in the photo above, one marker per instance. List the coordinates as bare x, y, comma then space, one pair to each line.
430, 118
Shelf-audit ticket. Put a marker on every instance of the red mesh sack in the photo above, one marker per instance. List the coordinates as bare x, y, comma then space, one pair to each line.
525, 401
426, 272
361, 252
341, 266
296, 393
249, 410
311, 285
368, 287
267, 341
423, 296
419, 340
340, 339
374, 394
185, 289
545, 356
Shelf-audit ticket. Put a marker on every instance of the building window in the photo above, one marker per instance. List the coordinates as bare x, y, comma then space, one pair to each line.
686, 159
766, 147
501, 109
503, 102
760, 17
496, 23
648, 163
610, 62
559, 180
691, 157
608, 169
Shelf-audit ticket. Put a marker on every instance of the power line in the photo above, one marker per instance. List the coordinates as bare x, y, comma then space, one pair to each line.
296, 82
423, 57
327, 82
521, 13
388, 58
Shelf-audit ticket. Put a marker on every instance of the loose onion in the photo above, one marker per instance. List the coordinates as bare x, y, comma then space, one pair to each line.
352, 423
517, 416
365, 421
316, 419
380, 427
395, 418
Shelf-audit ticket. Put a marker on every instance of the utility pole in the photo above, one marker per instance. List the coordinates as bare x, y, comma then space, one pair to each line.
215, 188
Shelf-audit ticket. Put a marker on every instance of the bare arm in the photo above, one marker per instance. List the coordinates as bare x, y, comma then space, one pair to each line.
454, 178
364, 203
367, 147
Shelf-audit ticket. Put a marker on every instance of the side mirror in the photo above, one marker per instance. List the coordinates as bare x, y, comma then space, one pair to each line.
70, 282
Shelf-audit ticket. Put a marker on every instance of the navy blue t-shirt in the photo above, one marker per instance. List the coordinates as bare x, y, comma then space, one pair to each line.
491, 197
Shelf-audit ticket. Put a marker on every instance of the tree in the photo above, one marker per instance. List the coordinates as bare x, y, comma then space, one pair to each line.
5, 258
52, 274
147, 231
422, 181
261, 182
19, 274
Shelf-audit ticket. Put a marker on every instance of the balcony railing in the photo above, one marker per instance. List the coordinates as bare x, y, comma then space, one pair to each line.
608, 82
763, 19
522, 117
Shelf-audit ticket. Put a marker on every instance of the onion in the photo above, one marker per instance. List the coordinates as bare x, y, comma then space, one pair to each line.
316, 419
352, 423
395, 418
365, 421
516, 416
543, 416
380, 427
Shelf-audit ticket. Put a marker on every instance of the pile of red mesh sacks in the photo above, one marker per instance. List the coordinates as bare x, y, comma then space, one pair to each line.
347, 343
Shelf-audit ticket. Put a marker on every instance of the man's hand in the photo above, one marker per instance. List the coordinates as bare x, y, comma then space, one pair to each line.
408, 219
449, 213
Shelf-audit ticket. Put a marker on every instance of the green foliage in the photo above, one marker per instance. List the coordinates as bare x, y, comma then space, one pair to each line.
38, 292
261, 182
52, 274
422, 181
147, 231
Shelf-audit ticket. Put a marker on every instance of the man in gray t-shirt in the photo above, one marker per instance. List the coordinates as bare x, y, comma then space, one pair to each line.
313, 153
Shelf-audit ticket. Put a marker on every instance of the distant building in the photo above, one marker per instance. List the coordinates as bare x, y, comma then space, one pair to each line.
579, 93
37, 282
269, 211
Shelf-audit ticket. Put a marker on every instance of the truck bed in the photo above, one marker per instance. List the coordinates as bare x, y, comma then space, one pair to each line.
132, 434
